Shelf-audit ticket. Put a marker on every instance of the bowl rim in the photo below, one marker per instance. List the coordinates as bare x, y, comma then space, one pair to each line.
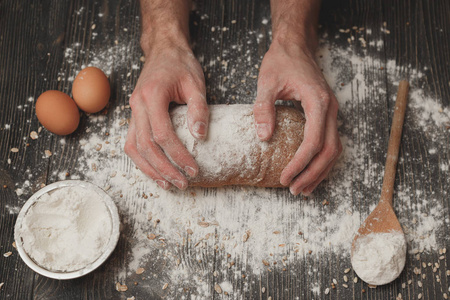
113, 240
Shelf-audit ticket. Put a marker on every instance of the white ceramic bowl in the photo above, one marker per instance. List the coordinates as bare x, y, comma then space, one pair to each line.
114, 238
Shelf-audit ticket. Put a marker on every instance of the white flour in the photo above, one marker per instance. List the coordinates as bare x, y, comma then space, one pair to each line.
272, 220
217, 155
67, 229
232, 152
379, 258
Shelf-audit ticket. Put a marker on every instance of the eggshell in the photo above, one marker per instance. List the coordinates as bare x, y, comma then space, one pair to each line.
91, 90
57, 112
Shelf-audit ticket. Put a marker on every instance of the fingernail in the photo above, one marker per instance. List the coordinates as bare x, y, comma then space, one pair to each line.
191, 171
162, 183
306, 193
180, 184
293, 192
263, 131
199, 130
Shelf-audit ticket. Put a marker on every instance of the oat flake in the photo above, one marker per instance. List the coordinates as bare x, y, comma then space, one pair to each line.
121, 287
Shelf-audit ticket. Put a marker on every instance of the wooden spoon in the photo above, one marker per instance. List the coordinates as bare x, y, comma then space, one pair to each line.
383, 218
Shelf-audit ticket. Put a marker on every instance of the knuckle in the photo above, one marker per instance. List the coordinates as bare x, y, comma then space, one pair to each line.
143, 143
330, 153
263, 104
185, 78
198, 107
146, 90
133, 101
150, 88
325, 99
263, 107
191, 80
160, 137
320, 101
204, 109
266, 80
310, 174
203, 114
316, 146
143, 147
129, 148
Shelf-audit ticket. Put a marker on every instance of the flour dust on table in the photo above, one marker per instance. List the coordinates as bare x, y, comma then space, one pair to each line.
256, 229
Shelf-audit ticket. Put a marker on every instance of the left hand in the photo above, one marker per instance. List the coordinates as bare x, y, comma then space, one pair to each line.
291, 73
171, 73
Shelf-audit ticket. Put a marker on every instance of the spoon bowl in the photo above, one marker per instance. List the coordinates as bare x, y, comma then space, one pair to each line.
381, 220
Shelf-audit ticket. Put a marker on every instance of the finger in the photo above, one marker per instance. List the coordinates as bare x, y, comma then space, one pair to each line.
264, 112
164, 135
315, 114
141, 163
296, 188
331, 149
197, 114
309, 175
309, 189
152, 153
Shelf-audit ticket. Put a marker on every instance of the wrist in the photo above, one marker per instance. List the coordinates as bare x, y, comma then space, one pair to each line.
294, 24
294, 46
295, 38
157, 38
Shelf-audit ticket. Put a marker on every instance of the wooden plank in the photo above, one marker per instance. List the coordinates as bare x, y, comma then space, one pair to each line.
424, 42
110, 19
23, 60
422, 46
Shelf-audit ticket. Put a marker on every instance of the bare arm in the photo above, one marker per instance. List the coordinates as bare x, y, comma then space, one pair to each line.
170, 73
289, 72
164, 21
294, 22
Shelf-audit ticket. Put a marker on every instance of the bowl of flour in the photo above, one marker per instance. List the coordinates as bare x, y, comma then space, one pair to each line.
67, 229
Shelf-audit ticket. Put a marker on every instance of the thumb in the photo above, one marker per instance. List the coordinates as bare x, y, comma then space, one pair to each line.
264, 112
198, 115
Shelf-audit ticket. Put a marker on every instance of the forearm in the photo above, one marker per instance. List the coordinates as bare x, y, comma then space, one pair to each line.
164, 23
294, 23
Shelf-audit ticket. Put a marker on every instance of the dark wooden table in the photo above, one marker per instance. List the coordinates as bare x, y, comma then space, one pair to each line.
33, 38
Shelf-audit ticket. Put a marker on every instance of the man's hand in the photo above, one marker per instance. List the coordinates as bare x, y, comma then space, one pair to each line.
170, 73
289, 72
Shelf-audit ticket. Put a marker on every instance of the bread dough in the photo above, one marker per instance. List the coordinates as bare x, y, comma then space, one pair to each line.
232, 153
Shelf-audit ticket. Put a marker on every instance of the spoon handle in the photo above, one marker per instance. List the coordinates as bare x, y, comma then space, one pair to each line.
394, 143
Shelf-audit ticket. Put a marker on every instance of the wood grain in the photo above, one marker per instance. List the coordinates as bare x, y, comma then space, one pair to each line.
387, 190
33, 38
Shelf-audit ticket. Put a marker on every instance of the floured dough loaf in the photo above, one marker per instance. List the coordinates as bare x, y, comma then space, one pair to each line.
232, 154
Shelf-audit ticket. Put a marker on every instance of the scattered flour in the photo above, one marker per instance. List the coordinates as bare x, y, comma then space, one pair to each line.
230, 124
379, 258
227, 287
279, 228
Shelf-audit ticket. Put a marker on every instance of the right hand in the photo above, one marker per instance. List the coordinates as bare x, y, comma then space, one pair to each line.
289, 72
170, 73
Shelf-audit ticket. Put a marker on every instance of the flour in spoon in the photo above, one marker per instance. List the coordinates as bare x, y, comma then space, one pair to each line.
379, 258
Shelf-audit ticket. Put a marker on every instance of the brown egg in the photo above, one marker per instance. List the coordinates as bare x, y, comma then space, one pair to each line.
91, 90
57, 112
